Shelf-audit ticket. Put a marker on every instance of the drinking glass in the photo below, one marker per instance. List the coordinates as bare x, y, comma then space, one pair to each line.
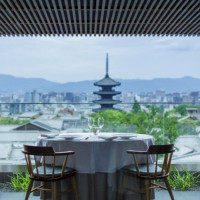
90, 123
100, 122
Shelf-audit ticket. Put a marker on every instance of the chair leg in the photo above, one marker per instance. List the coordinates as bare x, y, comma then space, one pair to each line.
74, 184
54, 190
29, 189
169, 189
147, 190
122, 189
44, 192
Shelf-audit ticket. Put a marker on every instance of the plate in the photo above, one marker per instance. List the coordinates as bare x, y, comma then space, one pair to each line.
49, 135
68, 137
125, 136
108, 138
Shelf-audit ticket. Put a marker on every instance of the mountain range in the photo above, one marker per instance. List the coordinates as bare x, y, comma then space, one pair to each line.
9, 84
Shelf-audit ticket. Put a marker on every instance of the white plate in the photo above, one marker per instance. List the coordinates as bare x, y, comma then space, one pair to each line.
125, 136
49, 135
68, 136
108, 138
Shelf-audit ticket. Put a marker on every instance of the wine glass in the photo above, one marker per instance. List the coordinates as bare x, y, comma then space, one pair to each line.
90, 123
100, 122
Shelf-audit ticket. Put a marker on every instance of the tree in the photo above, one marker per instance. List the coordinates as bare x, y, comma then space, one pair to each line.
136, 107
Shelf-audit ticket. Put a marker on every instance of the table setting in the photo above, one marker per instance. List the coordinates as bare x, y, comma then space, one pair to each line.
98, 158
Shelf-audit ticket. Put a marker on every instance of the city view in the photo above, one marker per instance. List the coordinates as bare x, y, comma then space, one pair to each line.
101, 98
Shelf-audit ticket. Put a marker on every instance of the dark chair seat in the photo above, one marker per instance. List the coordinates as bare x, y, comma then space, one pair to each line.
57, 171
143, 169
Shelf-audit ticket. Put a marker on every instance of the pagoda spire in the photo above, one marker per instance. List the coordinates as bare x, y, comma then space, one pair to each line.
107, 65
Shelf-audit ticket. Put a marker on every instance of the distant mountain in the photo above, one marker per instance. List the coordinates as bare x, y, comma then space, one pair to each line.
10, 83
15, 84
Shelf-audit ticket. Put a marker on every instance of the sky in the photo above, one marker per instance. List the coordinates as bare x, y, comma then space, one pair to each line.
66, 59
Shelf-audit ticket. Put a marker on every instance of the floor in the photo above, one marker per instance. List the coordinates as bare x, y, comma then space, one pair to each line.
161, 195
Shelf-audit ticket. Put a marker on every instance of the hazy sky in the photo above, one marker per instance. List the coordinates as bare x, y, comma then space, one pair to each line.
65, 59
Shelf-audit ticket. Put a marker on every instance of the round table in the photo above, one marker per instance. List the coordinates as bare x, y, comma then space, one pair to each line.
98, 162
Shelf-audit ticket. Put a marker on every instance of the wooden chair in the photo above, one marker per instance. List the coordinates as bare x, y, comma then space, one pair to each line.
48, 172
149, 171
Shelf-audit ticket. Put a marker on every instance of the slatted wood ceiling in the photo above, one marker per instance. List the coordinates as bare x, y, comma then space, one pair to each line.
100, 17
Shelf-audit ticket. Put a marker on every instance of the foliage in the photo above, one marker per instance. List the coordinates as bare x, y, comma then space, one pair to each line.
136, 107
20, 182
181, 109
148, 121
12, 121
183, 181
187, 127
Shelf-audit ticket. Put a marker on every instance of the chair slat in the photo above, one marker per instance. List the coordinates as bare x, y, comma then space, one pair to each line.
136, 164
147, 164
156, 168
44, 165
64, 166
36, 165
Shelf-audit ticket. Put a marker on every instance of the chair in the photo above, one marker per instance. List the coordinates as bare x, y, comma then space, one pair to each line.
149, 171
48, 172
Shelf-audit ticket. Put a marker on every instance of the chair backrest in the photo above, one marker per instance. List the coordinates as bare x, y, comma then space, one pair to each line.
37, 155
155, 153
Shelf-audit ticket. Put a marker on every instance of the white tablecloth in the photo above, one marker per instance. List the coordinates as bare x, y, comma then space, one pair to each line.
97, 155
97, 163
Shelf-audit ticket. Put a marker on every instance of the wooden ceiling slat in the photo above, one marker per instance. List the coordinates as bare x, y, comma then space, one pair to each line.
58, 17
91, 17
5, 29
152, 17
80, 18
8, 14
20, 18
148, 16
193, 19
63, 17
138, 23
36, 18
46, 17
41, 16
25, 18
112, 18
118, 17
74, 17
190, 30
123, 17
68, 16
30, 17
107, 17
134, 18
160, 16
177, 16
96, 17
52, 17
8, 18
7, 24
167, 18
185, 17
85, 16
101, 18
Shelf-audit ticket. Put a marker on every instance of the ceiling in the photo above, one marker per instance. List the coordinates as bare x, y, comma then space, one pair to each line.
100, 17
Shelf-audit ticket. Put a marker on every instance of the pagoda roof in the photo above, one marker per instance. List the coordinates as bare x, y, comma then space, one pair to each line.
107, 81
105, 101
107, 92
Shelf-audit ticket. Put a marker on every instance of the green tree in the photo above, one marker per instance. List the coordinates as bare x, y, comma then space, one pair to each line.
136, 107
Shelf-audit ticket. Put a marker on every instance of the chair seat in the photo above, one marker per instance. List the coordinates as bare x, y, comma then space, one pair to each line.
57, 171
143, 169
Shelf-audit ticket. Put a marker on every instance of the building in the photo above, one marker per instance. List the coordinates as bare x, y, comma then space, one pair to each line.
106, 93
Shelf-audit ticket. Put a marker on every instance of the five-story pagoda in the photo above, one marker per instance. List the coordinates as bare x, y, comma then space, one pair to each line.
106, 93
